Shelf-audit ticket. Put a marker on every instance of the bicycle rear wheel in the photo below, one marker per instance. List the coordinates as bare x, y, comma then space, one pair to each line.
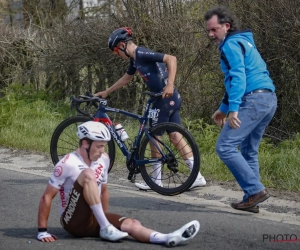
64, 139
173, 173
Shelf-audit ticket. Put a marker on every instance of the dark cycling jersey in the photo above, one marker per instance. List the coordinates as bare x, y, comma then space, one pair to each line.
154, 72
150, 66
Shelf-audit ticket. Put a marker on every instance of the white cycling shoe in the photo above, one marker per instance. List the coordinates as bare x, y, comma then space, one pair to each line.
144, 186
112, 234
199, 182
187, 232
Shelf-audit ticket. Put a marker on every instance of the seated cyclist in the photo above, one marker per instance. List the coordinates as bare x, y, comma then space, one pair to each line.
81, 180
158, 72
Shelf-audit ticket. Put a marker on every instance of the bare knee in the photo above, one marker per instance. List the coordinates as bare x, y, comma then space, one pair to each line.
175, 138
131, 225
86, 176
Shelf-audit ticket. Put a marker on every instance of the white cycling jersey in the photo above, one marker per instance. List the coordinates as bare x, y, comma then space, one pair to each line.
67, 170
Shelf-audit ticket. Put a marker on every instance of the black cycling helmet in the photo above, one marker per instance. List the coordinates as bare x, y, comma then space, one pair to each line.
119, 35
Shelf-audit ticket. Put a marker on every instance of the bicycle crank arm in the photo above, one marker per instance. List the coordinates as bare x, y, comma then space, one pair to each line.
132, 176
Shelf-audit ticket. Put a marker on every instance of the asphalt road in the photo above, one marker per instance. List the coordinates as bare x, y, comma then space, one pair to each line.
220, 229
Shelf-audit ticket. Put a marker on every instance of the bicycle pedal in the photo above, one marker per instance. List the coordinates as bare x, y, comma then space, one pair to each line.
132, 177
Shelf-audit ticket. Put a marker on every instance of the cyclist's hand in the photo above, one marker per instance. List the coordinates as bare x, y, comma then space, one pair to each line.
46, 237
102, 94
168, 91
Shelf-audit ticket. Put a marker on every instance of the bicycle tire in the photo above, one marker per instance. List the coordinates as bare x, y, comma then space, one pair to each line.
173, 183
64, 139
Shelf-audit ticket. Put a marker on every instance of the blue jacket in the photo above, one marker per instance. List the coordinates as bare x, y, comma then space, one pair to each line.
243, 67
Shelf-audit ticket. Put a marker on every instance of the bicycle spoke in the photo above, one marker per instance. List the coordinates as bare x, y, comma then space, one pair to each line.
171, 175
64, 139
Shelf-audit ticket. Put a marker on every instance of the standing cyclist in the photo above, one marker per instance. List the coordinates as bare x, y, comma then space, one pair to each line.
81, 180
158, 72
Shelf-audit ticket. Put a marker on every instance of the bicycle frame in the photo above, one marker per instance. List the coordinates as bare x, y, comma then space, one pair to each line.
131, 155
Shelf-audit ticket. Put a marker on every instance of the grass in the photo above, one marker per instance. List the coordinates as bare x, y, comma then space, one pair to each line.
30, 127
28, 123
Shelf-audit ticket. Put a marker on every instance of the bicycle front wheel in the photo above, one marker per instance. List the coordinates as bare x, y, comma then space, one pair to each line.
172, 175
64, 139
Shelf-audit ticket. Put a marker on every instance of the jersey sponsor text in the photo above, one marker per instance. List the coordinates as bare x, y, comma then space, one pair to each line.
72, 205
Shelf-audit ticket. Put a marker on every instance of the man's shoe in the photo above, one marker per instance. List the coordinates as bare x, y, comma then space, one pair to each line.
199, 182
187, 232
251, 201
254, 209
112, 234
144, 186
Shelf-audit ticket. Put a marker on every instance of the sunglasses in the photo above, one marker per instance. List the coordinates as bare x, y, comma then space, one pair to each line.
116, 50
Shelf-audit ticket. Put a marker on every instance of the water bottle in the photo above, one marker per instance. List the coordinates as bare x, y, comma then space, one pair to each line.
121, 132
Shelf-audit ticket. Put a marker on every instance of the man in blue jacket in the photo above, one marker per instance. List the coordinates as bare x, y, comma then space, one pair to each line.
248, 105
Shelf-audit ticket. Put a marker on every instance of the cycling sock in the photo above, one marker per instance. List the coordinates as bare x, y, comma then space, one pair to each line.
190, 162
156, 175
100, 215
158, 238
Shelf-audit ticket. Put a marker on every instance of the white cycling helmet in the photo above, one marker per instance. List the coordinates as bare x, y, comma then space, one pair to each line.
94, 131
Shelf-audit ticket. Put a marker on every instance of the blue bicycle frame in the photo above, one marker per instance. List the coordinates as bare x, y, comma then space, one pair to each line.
130, 155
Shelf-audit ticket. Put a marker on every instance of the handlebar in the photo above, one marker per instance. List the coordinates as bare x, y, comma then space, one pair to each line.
90, 101
95, 101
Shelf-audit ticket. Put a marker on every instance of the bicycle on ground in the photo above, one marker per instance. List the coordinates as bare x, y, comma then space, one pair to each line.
151, 145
